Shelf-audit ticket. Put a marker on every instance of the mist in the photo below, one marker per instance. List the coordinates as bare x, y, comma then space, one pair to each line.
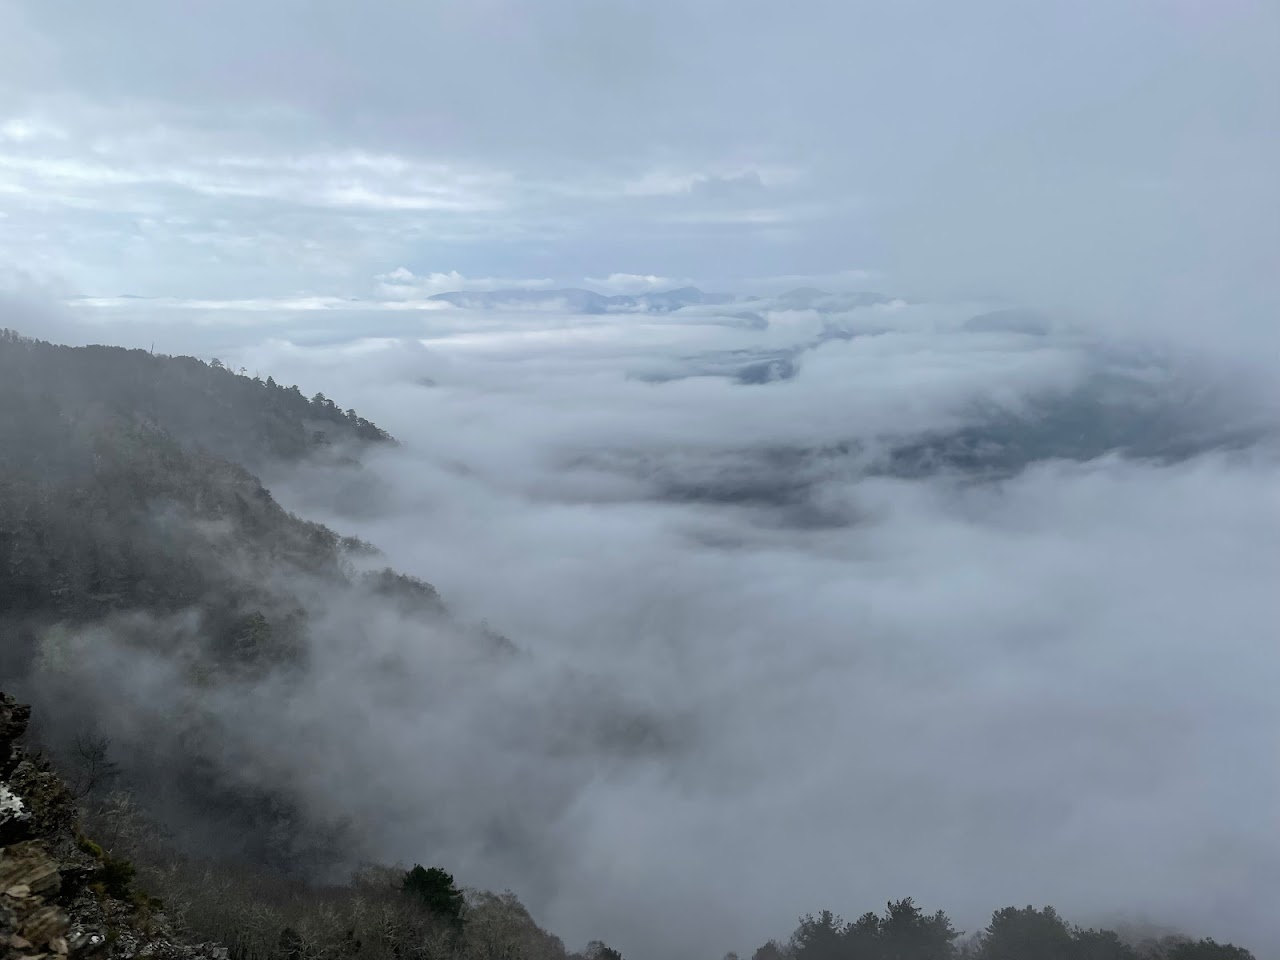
767, 660
1049, 687
950, 574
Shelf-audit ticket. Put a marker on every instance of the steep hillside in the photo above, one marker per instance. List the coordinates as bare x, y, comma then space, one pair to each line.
80, 889
62, 895
127, 523
203, 406
120, 489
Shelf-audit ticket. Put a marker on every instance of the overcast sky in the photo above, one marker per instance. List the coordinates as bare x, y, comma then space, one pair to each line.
1116, 155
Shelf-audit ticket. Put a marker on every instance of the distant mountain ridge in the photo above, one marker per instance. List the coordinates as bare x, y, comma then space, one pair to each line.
577, 300
580, 300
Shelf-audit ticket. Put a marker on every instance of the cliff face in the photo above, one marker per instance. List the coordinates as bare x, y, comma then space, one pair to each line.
60, 896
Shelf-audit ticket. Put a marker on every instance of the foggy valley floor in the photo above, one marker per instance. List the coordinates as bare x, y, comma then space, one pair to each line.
952, 607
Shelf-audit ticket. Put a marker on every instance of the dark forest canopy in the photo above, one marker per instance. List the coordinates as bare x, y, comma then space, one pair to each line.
128, 507
204, 406
125, 484
905, 931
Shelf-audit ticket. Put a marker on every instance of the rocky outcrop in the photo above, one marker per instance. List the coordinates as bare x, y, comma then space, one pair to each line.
61, 896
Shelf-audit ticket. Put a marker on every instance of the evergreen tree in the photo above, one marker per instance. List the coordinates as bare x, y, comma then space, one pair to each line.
436, 891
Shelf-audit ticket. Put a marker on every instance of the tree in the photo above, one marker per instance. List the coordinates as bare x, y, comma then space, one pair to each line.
252, 639
819, 938
499, 926
771, 951
290, 945
1016, 934
906, 932
862, 937
93, 767
1208, 950
1101, 945
436, 891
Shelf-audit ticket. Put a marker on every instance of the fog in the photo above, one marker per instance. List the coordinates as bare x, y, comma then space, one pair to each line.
819, 601
767, 667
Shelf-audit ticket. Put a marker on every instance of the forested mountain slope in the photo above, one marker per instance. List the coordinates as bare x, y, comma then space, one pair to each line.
124, 510
203, 406
132, 524
124, 484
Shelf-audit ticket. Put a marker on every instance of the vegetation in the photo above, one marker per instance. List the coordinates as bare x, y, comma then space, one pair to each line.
128, 510
435, 891
124, 486
380, 913
206, 406
905, 932
421, 914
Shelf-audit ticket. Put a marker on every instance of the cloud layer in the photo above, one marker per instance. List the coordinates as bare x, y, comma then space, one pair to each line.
1108, 157
774, 662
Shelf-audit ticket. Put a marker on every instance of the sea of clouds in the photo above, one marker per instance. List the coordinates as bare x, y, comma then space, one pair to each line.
819, 602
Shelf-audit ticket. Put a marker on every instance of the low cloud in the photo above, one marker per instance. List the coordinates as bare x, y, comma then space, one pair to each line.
932, 616
838, 281
726, 184
633, 283
404, 284
114, 175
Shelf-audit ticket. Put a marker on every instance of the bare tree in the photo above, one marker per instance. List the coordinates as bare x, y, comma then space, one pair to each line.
93, 767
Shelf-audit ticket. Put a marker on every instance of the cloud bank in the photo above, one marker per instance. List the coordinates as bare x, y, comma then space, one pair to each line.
970, 611
1107, 158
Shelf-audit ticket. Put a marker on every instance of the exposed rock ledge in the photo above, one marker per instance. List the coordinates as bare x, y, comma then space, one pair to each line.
53, 901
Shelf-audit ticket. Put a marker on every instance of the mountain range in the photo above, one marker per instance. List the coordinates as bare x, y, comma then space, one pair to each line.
575, 300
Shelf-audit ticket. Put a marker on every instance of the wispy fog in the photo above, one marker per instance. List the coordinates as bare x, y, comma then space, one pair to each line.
976, 611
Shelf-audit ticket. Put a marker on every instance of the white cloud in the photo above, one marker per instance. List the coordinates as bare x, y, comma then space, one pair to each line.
841, 668
757, 216
750, 179
174, 303
853, 279
120, 169
967, 159
633, 283
937, 674
402, 283
25, 129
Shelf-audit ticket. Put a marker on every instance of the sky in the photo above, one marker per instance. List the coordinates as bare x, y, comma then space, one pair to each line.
1041, 673
1109, 156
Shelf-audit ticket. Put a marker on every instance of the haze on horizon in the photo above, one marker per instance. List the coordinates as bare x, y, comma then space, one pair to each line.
1111, 156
